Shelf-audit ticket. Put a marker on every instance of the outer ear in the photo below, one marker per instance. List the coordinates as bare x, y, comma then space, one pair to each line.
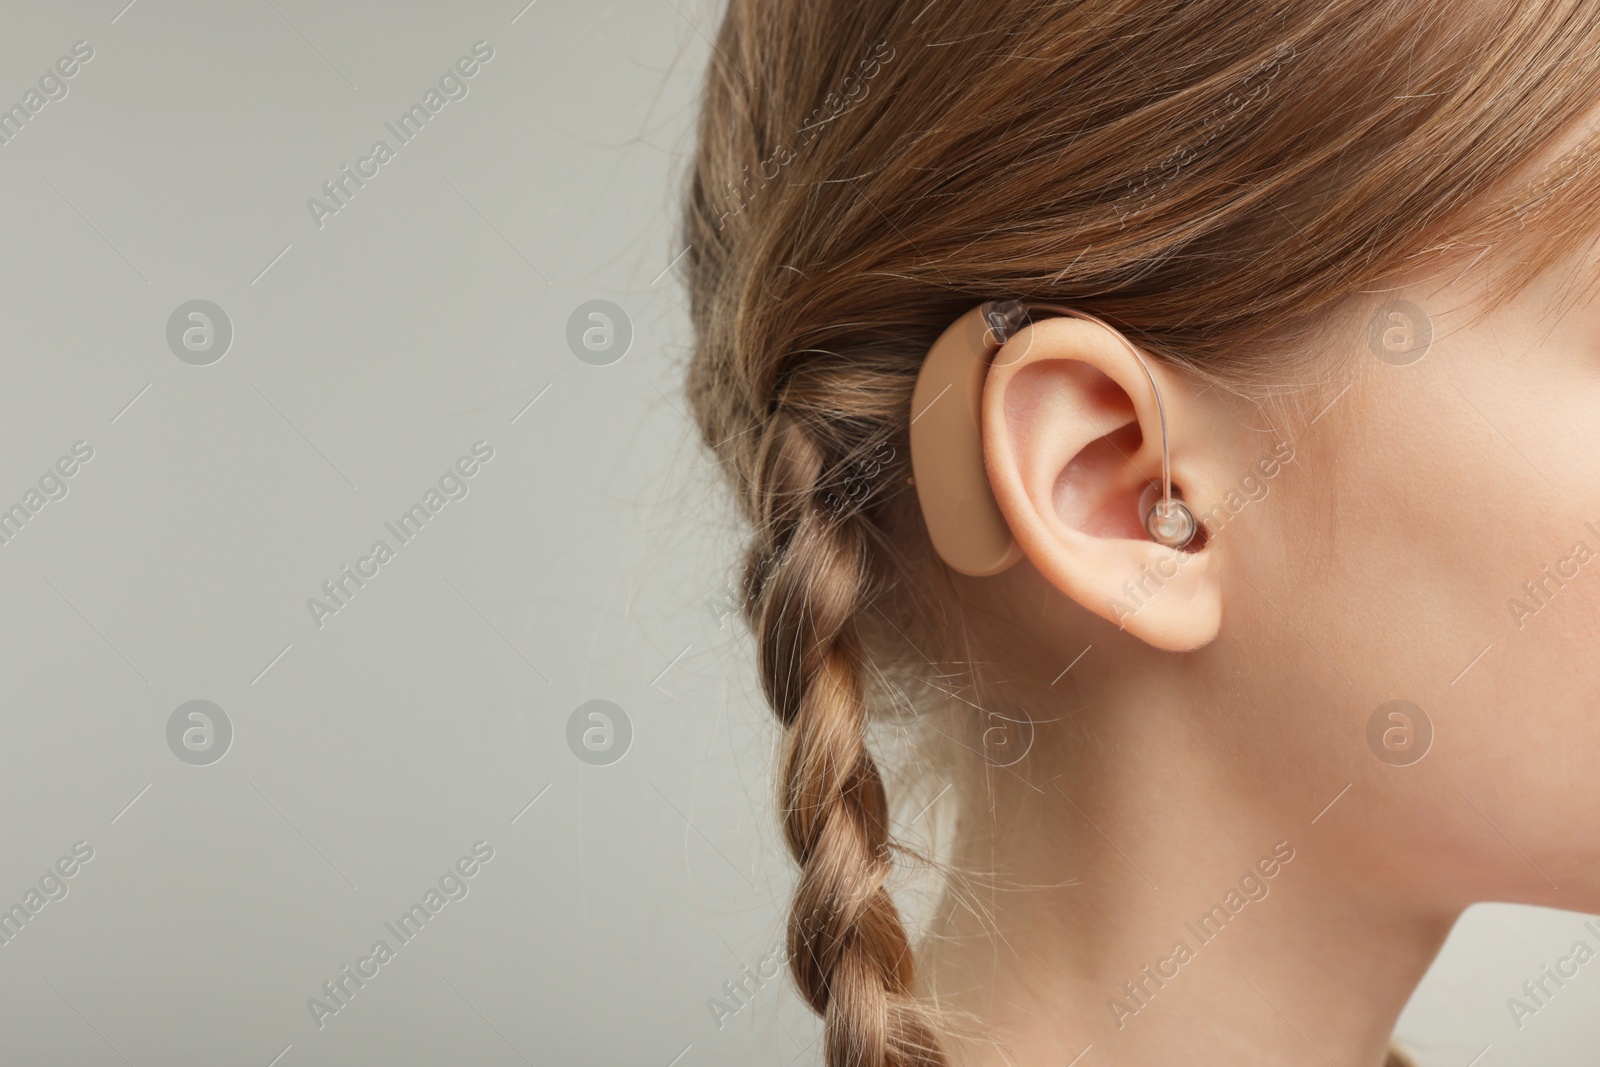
1071, 438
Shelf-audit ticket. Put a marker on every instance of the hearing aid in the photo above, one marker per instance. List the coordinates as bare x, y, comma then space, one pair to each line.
963, 519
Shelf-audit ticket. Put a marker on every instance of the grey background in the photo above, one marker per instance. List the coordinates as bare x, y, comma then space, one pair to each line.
586, 562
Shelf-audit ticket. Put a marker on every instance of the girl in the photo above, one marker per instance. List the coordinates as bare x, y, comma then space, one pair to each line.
1318, 271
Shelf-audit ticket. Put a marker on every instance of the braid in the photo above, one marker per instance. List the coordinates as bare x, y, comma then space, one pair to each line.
848, 950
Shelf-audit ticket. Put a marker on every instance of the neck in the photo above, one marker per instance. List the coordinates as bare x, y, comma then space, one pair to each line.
1156, 903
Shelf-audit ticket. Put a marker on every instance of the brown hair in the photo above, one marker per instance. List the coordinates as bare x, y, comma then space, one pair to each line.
1213, 177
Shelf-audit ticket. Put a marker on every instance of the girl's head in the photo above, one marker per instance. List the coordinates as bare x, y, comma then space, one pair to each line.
1353, 240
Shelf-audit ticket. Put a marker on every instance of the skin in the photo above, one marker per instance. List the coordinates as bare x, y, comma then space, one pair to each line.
1230, 713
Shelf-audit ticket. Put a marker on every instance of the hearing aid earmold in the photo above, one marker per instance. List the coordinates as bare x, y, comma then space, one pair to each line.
964, 522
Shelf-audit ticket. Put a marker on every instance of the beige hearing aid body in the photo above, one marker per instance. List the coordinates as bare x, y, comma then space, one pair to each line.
958, 506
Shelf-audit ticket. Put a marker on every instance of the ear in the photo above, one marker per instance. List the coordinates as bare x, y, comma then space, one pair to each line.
1071, 438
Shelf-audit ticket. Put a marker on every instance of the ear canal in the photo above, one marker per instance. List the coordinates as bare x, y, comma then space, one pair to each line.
958, 505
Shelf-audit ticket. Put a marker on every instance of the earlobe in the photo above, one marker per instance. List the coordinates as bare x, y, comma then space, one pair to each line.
1071, 441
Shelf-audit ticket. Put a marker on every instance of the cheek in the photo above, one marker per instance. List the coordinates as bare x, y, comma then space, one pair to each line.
1452, 562
1396, 534
1383, 566
1531, 698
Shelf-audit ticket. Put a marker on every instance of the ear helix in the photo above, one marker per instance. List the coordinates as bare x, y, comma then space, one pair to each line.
958, 506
